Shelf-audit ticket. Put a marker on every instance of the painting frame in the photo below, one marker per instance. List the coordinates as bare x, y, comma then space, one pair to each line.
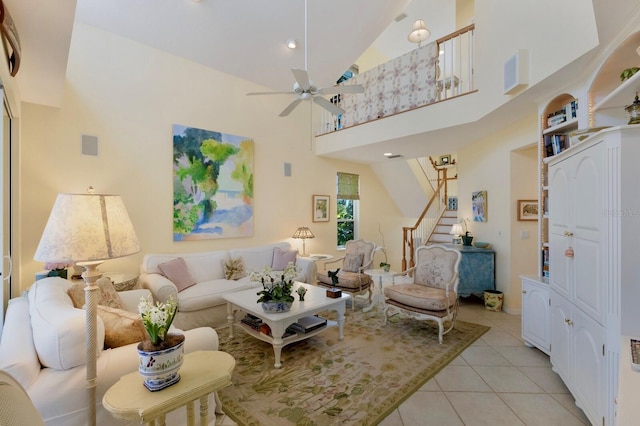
526, 210
445, 160
320, 208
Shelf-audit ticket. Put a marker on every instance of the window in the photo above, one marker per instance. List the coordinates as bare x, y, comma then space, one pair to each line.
347, 207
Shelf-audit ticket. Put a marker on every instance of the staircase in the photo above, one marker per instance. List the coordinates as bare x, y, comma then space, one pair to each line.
441, 231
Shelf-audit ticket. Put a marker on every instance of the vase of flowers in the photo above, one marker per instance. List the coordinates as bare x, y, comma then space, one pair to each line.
467, 238
161, 355
277, 289
58, 269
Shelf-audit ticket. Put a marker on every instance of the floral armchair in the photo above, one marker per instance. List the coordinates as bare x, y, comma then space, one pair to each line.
351, 278
431, 292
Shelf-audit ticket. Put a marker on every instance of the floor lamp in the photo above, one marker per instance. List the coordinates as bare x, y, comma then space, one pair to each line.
88, 229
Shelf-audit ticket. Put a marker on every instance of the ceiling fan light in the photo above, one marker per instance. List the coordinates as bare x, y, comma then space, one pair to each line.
419, 32
291, 44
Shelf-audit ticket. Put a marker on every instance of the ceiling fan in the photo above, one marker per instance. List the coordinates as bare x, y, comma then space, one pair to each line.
305, 90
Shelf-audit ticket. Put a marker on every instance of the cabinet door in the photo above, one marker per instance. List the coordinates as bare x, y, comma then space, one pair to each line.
586, 226
559, 225
535, 315
589, 387
561, 338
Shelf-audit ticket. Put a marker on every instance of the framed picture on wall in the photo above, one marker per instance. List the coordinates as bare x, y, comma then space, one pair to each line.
527, 210
320, 208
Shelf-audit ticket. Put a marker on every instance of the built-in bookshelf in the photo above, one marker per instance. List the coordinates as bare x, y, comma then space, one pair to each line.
558, 119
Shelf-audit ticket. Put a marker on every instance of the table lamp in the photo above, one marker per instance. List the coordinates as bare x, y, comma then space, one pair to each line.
456, 230
88, 229
304, 233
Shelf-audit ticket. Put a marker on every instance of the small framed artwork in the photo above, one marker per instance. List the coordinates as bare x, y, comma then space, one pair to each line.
527, 209
445, 160
479, 206
321, 208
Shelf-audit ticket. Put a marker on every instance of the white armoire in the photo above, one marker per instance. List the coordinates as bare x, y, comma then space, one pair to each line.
594, 253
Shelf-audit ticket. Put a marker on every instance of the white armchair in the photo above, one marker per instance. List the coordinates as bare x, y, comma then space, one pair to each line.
358, 257
431, 292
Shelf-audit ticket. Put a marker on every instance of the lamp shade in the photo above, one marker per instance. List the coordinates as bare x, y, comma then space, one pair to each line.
303, 232
456, 229
87, 228
419, 32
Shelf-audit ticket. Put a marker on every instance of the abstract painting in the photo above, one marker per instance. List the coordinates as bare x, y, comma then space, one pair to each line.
212, 184
479, 205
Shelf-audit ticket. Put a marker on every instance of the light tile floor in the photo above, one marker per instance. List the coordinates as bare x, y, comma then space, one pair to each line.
496, 381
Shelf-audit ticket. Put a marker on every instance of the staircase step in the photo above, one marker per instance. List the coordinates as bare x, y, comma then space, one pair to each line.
447, 221
440, 238
442, 228
450, 213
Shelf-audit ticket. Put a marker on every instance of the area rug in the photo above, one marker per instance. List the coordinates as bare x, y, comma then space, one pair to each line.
324, 381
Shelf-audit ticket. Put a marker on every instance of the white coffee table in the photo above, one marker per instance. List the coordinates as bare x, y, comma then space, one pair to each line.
315, 301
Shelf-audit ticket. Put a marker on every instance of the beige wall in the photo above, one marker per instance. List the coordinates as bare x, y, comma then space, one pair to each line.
129, 95
485, 165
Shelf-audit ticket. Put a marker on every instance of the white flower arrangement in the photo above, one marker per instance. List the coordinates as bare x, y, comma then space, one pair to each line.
157, 318
275, 287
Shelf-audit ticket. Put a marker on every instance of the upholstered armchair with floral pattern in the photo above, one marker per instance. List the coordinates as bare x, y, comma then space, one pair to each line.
357, 258
430, 289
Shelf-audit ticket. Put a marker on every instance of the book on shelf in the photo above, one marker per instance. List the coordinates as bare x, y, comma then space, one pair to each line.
554, 144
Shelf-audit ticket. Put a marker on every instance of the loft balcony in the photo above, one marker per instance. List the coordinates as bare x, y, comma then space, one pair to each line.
432, 73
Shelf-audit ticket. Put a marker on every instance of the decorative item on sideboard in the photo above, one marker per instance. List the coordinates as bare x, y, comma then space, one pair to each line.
634, 111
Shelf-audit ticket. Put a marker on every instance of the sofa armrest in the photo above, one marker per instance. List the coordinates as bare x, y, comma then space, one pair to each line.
308, 268
161, 287
18, 355
131, 298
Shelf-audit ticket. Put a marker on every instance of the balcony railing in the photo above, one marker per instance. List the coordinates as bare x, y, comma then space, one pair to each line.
429, 74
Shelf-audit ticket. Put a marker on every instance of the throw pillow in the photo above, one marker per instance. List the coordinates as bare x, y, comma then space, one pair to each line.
177, 272
234, 269
107, 294
281, 258
121, 327
353, 262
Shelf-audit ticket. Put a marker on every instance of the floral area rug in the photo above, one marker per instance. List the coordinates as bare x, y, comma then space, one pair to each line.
324, 381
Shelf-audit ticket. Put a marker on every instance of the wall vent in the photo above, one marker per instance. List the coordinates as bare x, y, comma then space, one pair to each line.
90, 145
516, 72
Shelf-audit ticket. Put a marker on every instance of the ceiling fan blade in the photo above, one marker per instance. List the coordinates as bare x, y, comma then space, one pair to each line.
302, 77
334, 90
332, 108
290, 108
270, 93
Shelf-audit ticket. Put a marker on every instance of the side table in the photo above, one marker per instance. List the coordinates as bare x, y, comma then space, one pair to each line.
378, 298
202, 373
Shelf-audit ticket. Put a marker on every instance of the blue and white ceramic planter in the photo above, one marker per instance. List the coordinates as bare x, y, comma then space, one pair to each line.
160, 368
276, 307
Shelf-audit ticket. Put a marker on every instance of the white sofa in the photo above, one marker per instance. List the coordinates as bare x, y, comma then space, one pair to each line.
45, 326
202, 304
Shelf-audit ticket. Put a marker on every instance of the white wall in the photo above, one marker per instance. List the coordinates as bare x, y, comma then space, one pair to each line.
129, 95
485, 165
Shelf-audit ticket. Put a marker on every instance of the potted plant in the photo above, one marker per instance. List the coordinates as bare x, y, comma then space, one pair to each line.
466, 237
384, 265
160, 356
277, 290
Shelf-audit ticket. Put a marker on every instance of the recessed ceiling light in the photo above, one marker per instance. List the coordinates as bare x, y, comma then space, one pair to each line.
291, 44
388, 154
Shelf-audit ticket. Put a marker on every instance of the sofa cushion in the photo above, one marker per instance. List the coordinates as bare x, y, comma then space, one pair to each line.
59, 329
281, 258
234, 269
121, 327
209, 293
106, 294
256, 258
203, 266
177, 271
352, 262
